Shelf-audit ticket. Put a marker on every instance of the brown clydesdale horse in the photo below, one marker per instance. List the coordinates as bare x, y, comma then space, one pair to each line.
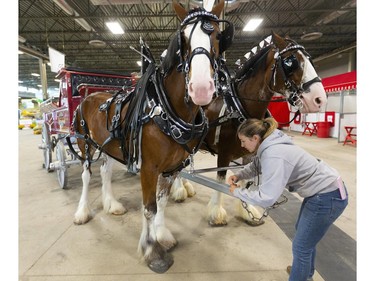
276, 65
155, 128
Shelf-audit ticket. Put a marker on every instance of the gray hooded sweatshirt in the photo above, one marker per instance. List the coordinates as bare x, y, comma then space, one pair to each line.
284, 164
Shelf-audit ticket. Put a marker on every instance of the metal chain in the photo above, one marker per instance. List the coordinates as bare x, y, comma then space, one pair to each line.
266, 210
191, 156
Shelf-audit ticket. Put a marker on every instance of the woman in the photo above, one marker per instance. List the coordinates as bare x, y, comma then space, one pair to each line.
283, 164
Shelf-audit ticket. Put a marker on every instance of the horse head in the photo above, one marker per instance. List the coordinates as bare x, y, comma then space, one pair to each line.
296, 73
199, 49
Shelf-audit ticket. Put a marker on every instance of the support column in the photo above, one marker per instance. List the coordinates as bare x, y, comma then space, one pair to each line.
43, 77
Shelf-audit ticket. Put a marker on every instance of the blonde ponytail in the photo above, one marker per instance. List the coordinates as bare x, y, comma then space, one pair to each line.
261, 127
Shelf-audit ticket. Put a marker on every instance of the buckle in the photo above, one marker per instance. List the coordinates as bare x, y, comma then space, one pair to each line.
176, 132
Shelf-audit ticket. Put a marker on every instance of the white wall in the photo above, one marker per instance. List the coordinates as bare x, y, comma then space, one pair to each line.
344, 104
336, 64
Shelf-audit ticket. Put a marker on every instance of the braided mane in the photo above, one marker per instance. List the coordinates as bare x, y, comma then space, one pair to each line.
255, 59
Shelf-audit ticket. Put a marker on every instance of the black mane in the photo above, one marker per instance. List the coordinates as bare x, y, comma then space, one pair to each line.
171, 58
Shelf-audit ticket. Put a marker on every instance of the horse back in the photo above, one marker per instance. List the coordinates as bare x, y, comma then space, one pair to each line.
98, 123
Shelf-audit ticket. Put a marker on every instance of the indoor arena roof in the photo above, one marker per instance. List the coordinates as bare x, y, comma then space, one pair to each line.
77, 29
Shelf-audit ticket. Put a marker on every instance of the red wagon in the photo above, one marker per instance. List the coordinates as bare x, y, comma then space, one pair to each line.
75, 85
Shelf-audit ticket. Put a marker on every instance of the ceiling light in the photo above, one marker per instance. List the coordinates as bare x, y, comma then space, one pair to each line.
252, 24
35, 74
82, 22
115, 27
311, 36
97, 43
21, 39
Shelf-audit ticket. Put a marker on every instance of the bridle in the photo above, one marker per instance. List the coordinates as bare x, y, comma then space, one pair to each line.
286, 66
194, 17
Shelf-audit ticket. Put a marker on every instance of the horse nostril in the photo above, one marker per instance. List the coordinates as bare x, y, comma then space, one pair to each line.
191, 87
318, 101
212, 86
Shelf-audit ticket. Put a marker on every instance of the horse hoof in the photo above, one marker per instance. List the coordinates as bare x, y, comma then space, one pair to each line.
255, 223
172, 248
251, 222
161, 265
82, 220
191, 194
215, 224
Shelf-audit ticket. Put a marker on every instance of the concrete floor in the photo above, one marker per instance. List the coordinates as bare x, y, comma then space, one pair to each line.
52, 248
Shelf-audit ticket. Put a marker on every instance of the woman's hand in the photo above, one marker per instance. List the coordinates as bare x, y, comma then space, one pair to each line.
232, 180
232, 187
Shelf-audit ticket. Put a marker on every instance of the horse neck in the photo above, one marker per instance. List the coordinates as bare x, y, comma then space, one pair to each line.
174, 84
255, 93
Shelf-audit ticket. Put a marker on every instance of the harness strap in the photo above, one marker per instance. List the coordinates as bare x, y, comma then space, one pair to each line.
181, 166
89, 141
218, 128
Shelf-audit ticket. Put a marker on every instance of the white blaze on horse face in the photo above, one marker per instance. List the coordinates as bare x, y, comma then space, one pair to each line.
315, 99
201, 83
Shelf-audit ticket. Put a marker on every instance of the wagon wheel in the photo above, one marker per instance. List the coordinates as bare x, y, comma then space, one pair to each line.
62, 171
47, 147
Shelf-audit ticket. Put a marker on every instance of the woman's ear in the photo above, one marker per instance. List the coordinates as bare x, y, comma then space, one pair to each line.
256, 138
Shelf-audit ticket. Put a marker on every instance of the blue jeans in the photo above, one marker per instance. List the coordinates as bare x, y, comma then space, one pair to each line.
317, 214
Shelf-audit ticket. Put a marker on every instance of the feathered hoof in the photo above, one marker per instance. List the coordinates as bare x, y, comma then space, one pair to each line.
161, 265
217, 224
172, 248
82, 217
251, 222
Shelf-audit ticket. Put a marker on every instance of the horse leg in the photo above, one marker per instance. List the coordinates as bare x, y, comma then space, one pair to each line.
216, 214
154, 231
110, 204
83, 213
163, 234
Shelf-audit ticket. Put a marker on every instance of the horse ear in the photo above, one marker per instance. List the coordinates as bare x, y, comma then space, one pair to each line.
278, 40
180, 11
218, 8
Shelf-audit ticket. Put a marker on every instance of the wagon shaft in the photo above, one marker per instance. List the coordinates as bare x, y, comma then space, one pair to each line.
211, 183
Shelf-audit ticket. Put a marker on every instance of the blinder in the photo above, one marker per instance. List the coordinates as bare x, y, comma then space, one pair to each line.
207, 27
227, 36
290, 64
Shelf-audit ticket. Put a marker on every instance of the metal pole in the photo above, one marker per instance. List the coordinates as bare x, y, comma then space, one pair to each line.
224, 188
206, 170
43, 78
